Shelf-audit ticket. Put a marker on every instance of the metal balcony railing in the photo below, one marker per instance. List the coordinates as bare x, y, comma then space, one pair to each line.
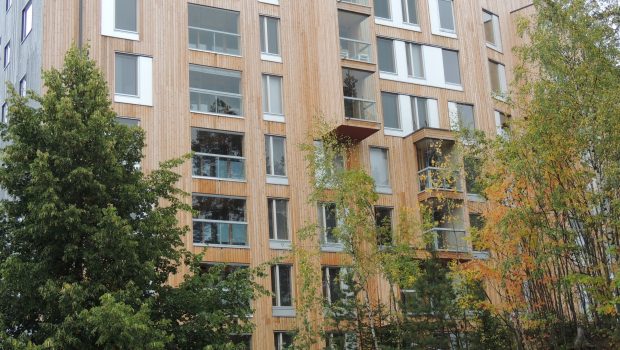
449, 240
433, 178
220, 232
214, 40
218, 166
208, 101
357, 108
355, 49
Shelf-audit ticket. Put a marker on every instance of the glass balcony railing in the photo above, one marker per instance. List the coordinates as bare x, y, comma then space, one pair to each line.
357, 108
214, 102
220, 232
356, 2
432, 178
213, 40
449, 240
355, 49
218, 166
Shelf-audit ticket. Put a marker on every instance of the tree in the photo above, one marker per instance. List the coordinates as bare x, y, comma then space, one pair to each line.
89, 241
553, 226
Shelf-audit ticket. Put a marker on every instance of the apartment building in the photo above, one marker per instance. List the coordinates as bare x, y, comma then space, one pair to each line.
239, 82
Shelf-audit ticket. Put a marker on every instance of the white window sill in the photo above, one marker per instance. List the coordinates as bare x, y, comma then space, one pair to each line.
134, 100
444, 34
216, 178
494, 48
283, 311
332, 247
383, 190
474, 197
121, 35
394, 132
394, 77
271, 2
400, 25
279, 244
270, 57
206, 245
277, 180
218, 114
500, 97
278, 118
215, 52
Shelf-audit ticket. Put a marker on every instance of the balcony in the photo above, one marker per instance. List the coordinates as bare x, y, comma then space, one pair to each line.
217, 232
355, 38
355, 50
218, 166
433, 178
360, 111
449, 240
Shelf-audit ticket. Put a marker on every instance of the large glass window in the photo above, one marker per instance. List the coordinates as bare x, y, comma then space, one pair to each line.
446, 15
415, 61
451, 68
391, 116
281, 285
328, 221
282, 340
463, 115
214, 29
269, 35
497, 72
341, 341
126, 74
23, 87
26, 20
275, 154
410, 11
419, 106
382, 9
359, 94
335, 286
126, 15
491, 29
355, 37
385, 50
272, 95
218, 154
215, 90
7, 54
278, 219
379, 169
219, 220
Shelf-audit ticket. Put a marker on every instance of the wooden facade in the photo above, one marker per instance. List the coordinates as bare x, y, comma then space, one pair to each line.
312, 86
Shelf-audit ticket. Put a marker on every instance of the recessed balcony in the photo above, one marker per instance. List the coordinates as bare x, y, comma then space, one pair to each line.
355, 38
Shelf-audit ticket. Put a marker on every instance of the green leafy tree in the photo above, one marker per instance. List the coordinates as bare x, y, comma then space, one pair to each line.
89, 241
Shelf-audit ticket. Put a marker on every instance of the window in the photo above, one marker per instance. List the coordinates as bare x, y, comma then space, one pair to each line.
446, 16
282, 289
5, 113
7, 54
382, 9
217, 155
126, 74
219, 220
380, 170
410, 11
451, 69
126, 15
23, 87
419, 106
341, 341
389, 104
491, 30
282, 340
269, 36
383, 221
128, 121
272, 97
473, 171
215, 90
502, 123
328, 221
476, 224
497, 72
359, 94
26, 20
275, 156
415, 61
214, 29
8, 4
461, 116
335, 284
278, 219
385, 50
242, 339
355, 37
326, 170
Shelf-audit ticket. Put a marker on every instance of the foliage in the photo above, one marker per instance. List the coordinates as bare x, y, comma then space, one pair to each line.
554, 183
89, 241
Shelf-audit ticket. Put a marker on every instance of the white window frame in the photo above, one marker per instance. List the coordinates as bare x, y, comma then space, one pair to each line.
7, 54
344, 287
436, 29
222, 71
267, 113
247, 245
144, 82
268, 56
238, 34
336, 246
108, 21
26, 20
5, 113
458, 61
497, 33
272, 178
405, 9
278, 243
398, 112
394, 63
23, 86
279, 339
410, 59
391, 12
279, 310
501, 75
380, 188
225, 156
